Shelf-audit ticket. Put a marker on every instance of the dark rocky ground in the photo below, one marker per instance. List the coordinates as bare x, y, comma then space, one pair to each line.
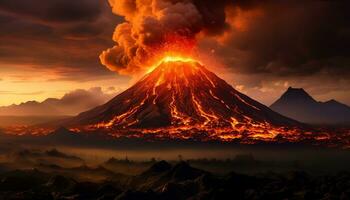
171, 181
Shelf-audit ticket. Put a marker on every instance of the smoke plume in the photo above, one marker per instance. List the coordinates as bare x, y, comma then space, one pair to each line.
153, 26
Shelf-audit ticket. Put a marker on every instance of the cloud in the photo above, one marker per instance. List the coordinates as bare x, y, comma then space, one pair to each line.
93, 95
154, 26
260, 42
57, 11
71, 103
284, 38
306, 44
56, 34
287, 38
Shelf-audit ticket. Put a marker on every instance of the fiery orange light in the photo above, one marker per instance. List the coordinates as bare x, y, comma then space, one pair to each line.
176, 48
172, 58
197, 103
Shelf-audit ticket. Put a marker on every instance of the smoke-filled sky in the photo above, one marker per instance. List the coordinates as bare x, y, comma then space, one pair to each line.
48, 48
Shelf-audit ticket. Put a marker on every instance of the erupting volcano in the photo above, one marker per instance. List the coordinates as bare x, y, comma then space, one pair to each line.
181, 98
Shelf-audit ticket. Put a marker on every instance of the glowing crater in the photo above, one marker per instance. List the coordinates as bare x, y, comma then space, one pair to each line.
169, 59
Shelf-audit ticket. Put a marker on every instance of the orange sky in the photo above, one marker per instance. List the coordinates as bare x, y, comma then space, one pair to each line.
18, 86
50, 48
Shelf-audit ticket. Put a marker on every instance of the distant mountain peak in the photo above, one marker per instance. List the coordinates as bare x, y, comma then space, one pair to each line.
297, 104
71, 103
296, 94
299, 91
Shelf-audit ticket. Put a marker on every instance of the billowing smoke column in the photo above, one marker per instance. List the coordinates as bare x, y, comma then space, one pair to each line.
155, 26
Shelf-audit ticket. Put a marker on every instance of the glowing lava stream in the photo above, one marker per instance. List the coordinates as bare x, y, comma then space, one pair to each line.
179, 73
181, 99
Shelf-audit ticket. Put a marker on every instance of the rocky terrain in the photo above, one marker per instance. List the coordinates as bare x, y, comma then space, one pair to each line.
179, 181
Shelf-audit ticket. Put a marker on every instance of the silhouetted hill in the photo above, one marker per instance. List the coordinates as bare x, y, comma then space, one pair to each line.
296, 103
162, 173
62, 134
58, 154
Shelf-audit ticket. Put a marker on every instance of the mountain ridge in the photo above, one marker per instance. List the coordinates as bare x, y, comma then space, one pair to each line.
297, 104
71, 103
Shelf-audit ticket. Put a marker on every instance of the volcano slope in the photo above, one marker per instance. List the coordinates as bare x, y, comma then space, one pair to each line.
181, 99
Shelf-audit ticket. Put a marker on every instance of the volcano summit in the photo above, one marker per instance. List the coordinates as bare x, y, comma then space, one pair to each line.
178, 96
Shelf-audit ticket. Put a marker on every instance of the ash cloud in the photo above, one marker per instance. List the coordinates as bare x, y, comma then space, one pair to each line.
285, 38
152, 25
271, 41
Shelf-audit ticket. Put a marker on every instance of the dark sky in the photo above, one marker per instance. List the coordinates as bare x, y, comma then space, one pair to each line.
51, 47
56, 33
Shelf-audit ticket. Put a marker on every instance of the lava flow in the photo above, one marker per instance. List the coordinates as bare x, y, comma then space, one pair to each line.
181, 99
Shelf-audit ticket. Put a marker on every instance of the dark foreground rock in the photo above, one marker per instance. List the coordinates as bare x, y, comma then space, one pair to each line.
172, 182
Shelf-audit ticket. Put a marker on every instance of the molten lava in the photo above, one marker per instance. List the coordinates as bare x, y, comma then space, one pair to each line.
172, 58
180, 99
